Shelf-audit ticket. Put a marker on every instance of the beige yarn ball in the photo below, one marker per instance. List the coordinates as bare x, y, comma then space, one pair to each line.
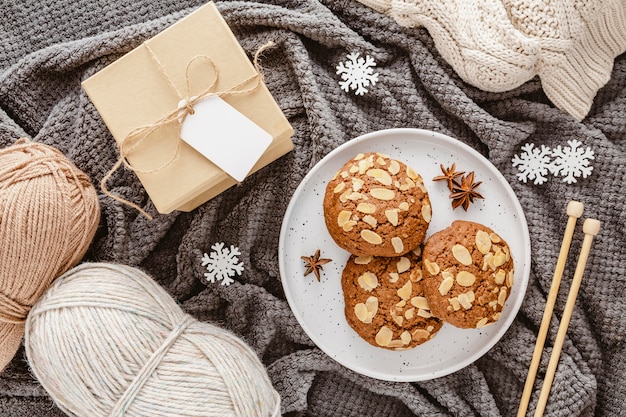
49, 213
107, 340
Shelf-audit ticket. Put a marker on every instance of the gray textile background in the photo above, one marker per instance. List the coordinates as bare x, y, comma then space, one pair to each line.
47, 49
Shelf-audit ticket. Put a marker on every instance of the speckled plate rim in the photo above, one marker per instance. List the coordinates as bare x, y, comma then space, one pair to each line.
319, 307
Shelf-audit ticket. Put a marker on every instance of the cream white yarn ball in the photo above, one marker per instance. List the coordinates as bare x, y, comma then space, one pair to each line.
107, 340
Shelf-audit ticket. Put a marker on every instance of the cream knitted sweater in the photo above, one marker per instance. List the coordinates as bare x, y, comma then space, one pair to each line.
498, 45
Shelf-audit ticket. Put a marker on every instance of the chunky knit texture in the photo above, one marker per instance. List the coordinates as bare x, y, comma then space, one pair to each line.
47, 51
499, 45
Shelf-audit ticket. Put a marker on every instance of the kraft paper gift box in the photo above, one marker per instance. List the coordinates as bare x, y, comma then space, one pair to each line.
144, 86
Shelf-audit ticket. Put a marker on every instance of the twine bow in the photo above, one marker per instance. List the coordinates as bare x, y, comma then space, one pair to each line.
177, 116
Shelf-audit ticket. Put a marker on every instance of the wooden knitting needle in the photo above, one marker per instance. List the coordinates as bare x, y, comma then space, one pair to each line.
591, 227
574, 211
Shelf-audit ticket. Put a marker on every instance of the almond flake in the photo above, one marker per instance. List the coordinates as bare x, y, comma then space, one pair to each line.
372, 305
375, 173
411, 173
431, 267
366, 208
347, 226
405, 291
487, 261
462, 254
482, 322
495, 238
416, 275
371, 237
395, 343
408, 185
354, 196
447, 274
464, 300
499, 277
364, 165
409, 313
368, 281
483, 242
370, 220
397, 244
394, 167
359, 156
465, 278
445, 286
502, 296
354, 169
420, 334
509, 279
339, 187
344, 196
424, 313
357, 183
343, 217
498, 259
404, 206
362, 260
361, 313
382, 194
426, 213
420, 302
405, 337
392, 216
380, 175
404, 264
381, 160
393, 277
454, 302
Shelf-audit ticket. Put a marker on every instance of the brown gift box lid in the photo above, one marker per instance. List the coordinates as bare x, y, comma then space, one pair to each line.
133, 92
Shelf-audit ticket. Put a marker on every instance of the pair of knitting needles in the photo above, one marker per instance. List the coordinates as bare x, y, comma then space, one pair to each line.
591, 227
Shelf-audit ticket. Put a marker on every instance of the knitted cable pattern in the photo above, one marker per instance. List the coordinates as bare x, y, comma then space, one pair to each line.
499, 45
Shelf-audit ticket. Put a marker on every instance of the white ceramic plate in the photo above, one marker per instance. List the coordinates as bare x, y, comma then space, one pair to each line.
319, 306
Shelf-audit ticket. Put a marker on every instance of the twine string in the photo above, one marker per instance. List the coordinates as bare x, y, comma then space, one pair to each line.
148, 369
177, 116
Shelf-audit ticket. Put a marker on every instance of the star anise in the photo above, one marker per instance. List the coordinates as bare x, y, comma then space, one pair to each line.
314, 264
449, 175
464, 193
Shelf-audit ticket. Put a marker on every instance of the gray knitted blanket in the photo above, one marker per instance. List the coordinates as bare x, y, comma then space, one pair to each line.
48, 48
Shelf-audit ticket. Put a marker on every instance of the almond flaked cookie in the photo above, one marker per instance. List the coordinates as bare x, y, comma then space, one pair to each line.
377, 206
468, 274
384, 301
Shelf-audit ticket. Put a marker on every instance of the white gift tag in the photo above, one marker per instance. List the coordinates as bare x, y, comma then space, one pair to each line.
225, 136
